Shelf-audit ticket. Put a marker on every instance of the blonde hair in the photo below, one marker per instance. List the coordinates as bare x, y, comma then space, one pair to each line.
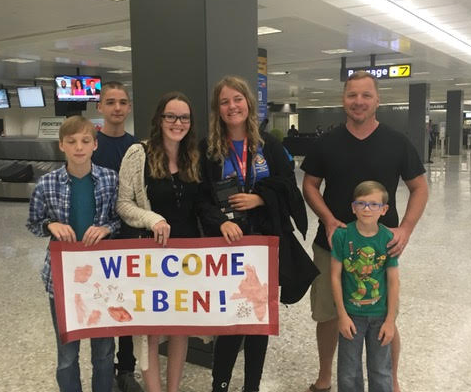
188, 155
218, 148
76, 124
366, 188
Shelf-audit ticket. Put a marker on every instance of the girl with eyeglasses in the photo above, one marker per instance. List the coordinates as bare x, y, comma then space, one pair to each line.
158, 192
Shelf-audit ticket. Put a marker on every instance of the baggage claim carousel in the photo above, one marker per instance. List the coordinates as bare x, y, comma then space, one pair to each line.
43, 154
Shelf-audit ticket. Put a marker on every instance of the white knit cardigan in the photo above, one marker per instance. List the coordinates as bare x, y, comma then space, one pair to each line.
133, 207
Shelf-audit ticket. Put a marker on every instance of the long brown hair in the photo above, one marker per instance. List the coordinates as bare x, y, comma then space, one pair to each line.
188, 155
218, 148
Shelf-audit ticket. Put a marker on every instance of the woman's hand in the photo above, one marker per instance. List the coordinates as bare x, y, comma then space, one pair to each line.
161, 232
231, 231
245, 201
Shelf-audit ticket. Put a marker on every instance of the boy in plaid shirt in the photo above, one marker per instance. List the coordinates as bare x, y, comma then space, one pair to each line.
76, 203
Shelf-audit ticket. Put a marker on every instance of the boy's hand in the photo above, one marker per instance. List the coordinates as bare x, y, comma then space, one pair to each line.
347, 327
62, 232
386, 333
94, 234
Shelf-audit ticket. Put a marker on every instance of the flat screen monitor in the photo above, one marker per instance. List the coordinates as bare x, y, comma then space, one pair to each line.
4, 99
77, 88
31, 97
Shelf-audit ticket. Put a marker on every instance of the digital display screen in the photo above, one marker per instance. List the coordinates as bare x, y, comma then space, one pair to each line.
82, 88
31, 97
4, 99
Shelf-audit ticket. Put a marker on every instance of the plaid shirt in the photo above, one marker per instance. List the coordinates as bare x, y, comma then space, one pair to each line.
51, 201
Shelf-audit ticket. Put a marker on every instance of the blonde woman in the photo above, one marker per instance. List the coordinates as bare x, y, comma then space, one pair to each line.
236, 151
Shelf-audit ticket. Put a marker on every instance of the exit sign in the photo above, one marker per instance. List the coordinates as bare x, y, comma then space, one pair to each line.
397, 71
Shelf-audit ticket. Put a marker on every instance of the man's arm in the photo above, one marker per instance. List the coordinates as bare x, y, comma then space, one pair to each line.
312, 194
418, 195
386, 333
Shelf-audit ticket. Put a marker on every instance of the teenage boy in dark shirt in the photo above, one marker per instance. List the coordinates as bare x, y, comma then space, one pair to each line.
113, 142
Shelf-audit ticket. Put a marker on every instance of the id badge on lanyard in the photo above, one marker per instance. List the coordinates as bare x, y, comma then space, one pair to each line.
242, 164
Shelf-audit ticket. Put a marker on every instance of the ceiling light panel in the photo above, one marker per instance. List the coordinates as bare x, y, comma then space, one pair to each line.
263, 30
117, 48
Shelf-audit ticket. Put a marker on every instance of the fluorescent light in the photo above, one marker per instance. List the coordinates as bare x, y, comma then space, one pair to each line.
336, 51
323, 79
117, 48
420, 73
119, 71
422, 21
279, 73
45, 78
462, 84
19, 61
263, 30
314, 99
385, 88
317, 92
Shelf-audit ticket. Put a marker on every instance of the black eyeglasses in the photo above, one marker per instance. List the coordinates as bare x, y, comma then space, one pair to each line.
361, 205
172, 118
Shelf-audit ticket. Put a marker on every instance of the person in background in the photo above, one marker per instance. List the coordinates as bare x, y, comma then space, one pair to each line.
293, 132
369, 151
113, 142
159, 193
76, 203
78, 88
92, 90
63, 89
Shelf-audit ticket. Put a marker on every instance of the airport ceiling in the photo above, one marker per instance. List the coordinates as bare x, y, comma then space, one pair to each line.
61, 35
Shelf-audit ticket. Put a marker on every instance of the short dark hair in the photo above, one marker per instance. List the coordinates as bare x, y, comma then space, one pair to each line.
113, 85
361, 75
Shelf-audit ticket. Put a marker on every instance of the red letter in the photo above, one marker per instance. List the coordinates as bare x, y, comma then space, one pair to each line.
130, 266
197, 299
211, 265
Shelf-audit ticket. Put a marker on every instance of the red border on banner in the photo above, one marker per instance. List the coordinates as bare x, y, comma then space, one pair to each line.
271, 328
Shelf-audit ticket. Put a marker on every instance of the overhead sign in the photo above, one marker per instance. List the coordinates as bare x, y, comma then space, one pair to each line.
396, 71
49, 127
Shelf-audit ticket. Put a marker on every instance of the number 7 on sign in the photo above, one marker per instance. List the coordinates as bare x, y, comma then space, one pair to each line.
399, 71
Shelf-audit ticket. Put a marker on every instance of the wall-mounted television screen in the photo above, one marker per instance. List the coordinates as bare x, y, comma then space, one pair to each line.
4, 99
77, 88
31, 97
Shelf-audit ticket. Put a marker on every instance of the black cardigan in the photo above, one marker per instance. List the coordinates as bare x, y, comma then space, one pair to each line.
282, 200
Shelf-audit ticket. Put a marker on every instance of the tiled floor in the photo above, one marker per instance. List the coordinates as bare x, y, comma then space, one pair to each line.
435, 316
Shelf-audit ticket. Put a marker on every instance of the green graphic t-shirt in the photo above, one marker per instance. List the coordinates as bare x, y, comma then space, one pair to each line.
364, 259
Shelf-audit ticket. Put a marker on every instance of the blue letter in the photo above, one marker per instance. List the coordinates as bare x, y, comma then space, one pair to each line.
165, 269
111, 266
159, 297
236, 263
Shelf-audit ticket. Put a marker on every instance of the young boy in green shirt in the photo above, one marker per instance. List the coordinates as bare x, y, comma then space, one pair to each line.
365, 286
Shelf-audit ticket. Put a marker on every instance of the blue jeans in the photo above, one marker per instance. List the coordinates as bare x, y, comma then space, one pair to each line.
378, 358
68, 370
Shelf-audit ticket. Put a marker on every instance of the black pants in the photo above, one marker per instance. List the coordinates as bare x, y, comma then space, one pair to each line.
225, 355
126, 360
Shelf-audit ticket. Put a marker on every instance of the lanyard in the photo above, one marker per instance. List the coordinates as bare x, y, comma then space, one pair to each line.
242, 163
